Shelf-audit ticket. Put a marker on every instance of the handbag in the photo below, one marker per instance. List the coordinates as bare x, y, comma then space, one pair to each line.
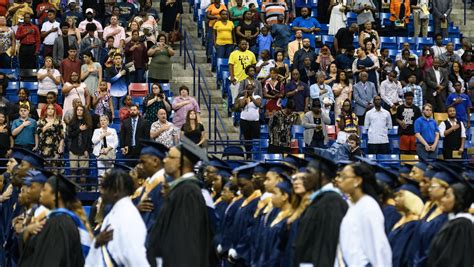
175, 35
109, 155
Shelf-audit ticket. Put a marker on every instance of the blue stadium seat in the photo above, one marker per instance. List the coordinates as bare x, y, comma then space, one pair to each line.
355, 41
28, 75
222, 64
324, 29
457, 43
424, 41
138, 100
388, 42
233, 151
13, 87
388, 159
410, 40
372, 157
30, 86
351, 18
165, 86
393, 131
395, 145
264, 131
12, 74
272, 157
393, 54
225, 82
116, 126
453, 32
297, 131
385, 19
327, 40
446, 41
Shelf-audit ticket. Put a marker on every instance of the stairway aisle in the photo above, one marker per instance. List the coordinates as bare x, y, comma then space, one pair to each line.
457, 16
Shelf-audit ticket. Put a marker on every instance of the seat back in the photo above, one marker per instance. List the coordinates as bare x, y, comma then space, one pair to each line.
138, 89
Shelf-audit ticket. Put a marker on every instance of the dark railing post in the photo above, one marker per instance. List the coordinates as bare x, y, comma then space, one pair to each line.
210, 112
194, 71
215, 129
465, 11
185, 49
181, 42
199, 87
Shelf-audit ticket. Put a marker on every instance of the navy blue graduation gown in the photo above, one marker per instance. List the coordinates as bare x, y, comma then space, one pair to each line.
400, 239
274, 244
391, 216
227, 232
425, 233
157, 199
220, 214
289, 240
263, 220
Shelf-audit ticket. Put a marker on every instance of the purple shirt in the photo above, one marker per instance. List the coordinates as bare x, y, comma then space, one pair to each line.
180, 113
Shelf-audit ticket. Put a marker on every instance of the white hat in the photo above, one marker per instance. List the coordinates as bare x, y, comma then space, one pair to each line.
71, 1
89, 10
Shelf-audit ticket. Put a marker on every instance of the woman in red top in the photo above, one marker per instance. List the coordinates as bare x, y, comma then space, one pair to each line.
273, 91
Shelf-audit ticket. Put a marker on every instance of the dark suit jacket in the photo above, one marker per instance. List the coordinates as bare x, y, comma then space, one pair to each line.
58, 48
304, 77
142, 132
432, 83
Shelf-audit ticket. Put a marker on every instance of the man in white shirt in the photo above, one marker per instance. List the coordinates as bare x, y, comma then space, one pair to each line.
49, 32
163, 131
116, 31
454, 134
390, 91
377, 122
121, 241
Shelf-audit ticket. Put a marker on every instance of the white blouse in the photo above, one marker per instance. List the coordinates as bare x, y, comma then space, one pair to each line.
112, 140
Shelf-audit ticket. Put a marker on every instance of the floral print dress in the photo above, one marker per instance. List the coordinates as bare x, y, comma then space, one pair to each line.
49, 142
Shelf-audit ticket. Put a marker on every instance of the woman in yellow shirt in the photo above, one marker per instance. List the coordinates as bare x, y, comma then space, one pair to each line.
224, 35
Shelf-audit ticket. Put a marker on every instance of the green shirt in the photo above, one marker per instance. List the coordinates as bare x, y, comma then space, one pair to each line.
236, 12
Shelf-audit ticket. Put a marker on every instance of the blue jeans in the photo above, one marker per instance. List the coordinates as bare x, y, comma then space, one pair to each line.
223, 51
210, 42
425, 155
138, 76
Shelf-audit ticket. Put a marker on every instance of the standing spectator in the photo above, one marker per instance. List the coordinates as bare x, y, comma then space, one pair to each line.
182, 104
48, 81
159, 70
99, 32
420, 17
6, 139
155, 101
148, 8
368, 33
50, 133
250, 104
49, 33
342, 90
73, 30
399, 14
116, 31
133, 129
172, 9
344, 37
427, 134
279, 128
251, 71
105, 141
24, 130
67, 117
320, 90
7, 44
344, 61
347, 122
193, 129
416, 90
438, 47
303, 53
454, 134
273, 91
18, 10
437, 81
297, 91
264, 40
62, 44
75, 89
308, 25
91, 73
426, 59
212, 14
364, 93
224, 35
135, 52
102, 102
377, 122
363, 63
29, 37
410, 69
72, 11
271, 11
91, 43
448, 57
248, 30
51, 98
308, 72
338, 17
314, 122
295, 45
466, 46
391, 92
407, 114
324, 61
124, 111
456, 75
365, 10
69, 65
282, 68
281, 35
237, 12
23, 96
79, 136
163, 131
116, 74
441, 9
462, 103
239, 60
264, 65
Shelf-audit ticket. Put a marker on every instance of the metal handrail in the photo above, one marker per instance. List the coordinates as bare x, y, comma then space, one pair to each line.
217, 117
186, 47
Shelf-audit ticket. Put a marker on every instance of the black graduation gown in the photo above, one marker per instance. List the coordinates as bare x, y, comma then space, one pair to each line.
58, 244
453, 246
318, 232
181, 236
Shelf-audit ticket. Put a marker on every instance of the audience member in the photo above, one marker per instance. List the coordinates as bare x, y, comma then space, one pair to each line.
391, 92
49, 32
132, 130
6, 139
264, 65
324, 59
193, 129
420, 18
347, 122
456, 75
163, 131
8, 40
264, 40
407, 114
454, 133
438, 48
441, 9
24, 130
462, 103
344, 37
337, 21
320, 90
448, 57
155, 101
295, 45
273, 92
159, 69
427, 134
411, 69
124, 111
237, 12
135, 52
368, 33
251, 71
308, 25
79, 141
271, 10
69, 65
223, 35
23, 99
364, 64
212, 14
105, 142
437, 81
29, 37
342, 90
248, 30
279, 128
116, 31
417, 91
75, 89
91, 43
281, 35
249, 105
90, 14
182, 104
50, 133
315, 122
282, 68
305, 52
48, 80
297, 91
102, 102
365, 10
239, 60
308, 72
364, 93
91, 73
377, 123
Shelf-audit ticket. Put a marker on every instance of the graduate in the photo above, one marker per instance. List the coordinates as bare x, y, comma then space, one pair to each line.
362, 237
387, 181
229, 193
241, 237
64, 238
408, 202
121, 241
274, 234
454, 243
318, 232
217, 174
182, 234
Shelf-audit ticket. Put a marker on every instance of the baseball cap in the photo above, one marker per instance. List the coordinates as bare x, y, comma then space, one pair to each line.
89, 10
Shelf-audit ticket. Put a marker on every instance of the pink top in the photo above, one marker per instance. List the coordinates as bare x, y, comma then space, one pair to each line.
180, 113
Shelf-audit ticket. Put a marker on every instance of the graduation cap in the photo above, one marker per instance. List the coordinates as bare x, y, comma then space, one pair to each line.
446, 172
285, 185
34, 159
411, 186
385, 175
63, 185
295, 162
154, 149
35, 176
122, 167
278, 167
245, 171
18, 153
405, 170
323, 165
192, 151
218, 163
261, 168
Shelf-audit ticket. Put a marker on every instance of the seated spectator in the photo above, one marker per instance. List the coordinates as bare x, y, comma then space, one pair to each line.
320, 90
411, 69
427, 134
75, 89
273, 92
343, 38
124, 111
248, 30
48, 81
281, 34
315, 122
224, 35
91, 73
407, 114
78, 138
159, 70
90, 13
308, 25
24, 130
324, 59
91, 44
416, 90
303, 53
69, 65
345, 60
462, 103
297, 91
23, 99
295, 45
282, 68
182, 104
437, 81
155, 101
237, 12
308, 72
50, 133
163, 131
51, 99
342, 90
438, 47
365, 10
377, 123
426, 59
102, 102
279, 128
448, 57
105, 142
193, 129
264, 65
347, 122
249, 105
391, 92
364, 93
454, 134
264, 40
369, 33
271, 10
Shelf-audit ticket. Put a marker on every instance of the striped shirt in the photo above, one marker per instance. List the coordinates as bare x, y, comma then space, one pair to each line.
272, 10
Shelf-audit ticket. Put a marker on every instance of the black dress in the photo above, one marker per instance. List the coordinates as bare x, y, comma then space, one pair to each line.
169, 14
194, 135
